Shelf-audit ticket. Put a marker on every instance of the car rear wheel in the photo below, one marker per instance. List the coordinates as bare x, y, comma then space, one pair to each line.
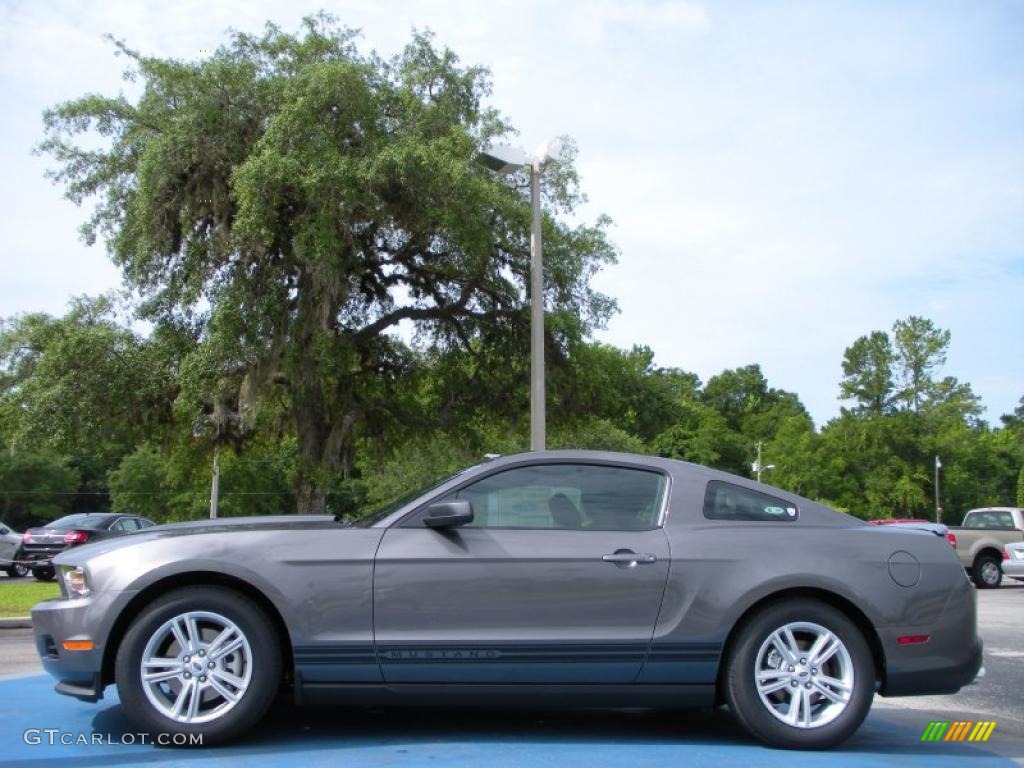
986, 572
799, 675
199, 660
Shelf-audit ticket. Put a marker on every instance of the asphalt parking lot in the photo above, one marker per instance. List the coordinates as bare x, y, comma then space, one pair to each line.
890, 736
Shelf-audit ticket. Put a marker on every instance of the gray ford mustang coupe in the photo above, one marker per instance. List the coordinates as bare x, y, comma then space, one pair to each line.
568, 578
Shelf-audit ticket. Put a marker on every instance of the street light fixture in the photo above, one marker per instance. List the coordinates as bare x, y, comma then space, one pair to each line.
504, 159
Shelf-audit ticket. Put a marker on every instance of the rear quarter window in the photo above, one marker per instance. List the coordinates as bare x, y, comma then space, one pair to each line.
726, 501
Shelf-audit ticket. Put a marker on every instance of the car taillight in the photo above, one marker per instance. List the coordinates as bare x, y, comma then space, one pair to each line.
26, 538
1006, 554
951, 539
76, 537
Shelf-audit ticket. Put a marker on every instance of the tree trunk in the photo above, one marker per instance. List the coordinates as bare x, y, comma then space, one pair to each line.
324, 440
310, 496
323, 421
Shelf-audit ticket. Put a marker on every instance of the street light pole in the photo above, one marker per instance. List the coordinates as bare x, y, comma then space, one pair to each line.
538, 408
505, 159
759, 466
938, 506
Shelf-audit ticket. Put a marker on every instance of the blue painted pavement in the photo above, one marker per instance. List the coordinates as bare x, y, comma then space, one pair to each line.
456, 738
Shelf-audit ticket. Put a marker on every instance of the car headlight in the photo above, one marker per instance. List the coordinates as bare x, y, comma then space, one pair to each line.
74, 580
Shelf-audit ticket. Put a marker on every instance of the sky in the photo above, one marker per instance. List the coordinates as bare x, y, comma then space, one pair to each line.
783, 177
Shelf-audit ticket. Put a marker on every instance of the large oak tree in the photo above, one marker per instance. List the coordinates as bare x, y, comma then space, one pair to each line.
291, 201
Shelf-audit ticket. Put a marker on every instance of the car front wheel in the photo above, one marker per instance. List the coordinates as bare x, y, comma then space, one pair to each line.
800, 675
201, 661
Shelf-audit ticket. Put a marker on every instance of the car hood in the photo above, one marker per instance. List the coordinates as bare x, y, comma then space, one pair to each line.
198, 528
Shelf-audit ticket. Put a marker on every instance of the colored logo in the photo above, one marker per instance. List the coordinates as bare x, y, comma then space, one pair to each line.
958, 730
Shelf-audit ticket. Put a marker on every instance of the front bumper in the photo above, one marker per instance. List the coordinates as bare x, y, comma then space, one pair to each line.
78, 673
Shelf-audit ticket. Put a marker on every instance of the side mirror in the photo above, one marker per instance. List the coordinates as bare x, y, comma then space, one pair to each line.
448, 514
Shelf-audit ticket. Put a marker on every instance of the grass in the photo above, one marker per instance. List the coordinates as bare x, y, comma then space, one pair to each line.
18, 597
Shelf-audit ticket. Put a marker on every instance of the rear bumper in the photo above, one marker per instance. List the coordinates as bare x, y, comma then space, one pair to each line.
950, 659
37, 557
935, 675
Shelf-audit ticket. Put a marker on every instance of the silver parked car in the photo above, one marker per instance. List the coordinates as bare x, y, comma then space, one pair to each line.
563, 578
1013, 561
10, 552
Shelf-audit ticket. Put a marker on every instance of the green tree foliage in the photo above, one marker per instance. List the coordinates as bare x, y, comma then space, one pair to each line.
83, 382
138, 485
621, 386
35, 487
752, 412
175, 485
868, 374
295, 200
919, 350
83, 386
904, 416
702, 436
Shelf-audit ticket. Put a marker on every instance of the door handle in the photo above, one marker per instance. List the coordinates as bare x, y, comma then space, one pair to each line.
627, 558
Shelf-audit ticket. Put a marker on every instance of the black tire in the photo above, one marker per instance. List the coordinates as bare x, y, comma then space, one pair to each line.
17, 571
46, 573
986, 573
740, 686
265, 663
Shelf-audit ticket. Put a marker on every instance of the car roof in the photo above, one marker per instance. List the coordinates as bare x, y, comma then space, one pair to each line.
672, 467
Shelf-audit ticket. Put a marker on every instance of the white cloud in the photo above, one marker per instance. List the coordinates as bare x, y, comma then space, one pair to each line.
597, 20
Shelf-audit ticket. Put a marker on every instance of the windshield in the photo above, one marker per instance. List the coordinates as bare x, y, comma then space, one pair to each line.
377, 514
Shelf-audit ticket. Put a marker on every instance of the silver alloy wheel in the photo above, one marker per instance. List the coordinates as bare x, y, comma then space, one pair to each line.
990, 572
804, 675
196, 667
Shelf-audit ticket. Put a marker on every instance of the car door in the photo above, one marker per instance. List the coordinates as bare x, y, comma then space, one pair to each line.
558, 579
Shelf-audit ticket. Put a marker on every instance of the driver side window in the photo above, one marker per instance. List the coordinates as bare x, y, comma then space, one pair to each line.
567, 497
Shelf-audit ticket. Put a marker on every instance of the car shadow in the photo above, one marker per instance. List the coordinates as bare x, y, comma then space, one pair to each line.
291, 736
303, 734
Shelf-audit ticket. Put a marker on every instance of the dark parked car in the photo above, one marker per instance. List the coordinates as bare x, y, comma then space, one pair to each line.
40, 545
563, 578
